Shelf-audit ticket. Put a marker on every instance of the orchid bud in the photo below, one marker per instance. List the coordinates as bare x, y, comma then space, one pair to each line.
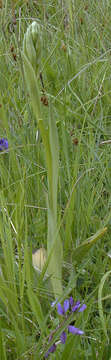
32, 45
31, 55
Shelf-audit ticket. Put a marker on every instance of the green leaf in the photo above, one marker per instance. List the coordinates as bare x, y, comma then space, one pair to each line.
81, 251
32, 86
8, 298
33, 299
55, 252
104, 278
54, 148
54, 245
36, 308
3, 118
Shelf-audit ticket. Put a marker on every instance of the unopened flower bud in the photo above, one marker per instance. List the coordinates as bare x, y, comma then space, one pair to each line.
32, 45
31, 60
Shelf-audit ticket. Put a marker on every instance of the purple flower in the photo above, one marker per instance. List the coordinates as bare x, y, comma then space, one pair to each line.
71, 301
63, 337
74, 330
52, 349
70, 304
62, 310
3, 144
73, 307
76, 306
82, 308
68, 307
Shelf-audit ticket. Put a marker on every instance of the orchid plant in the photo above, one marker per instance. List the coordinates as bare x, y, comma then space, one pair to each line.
31, 60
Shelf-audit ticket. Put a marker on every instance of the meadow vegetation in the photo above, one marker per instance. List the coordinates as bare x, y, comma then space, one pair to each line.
55, 182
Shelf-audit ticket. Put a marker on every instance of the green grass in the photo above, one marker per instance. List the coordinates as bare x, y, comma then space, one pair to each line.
76, 70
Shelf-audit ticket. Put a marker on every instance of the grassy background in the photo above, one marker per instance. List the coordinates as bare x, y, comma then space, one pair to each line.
75, 66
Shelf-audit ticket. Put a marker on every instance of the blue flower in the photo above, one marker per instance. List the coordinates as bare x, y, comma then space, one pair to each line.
63, 337
52, 349
3, 144
72, 329
68, 307
62, 310
71, 301
82, 308
76, 306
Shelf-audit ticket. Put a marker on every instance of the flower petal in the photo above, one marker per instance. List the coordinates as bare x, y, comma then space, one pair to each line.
76, 306
82, 308
66, 305
71, 301
63, 337
74, 330
52, 349
3, 144
60, 310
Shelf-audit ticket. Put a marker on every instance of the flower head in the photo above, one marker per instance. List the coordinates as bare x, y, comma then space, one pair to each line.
65, 310
70, 306
3, 144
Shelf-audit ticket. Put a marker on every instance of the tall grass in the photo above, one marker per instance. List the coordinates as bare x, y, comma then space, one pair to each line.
55, 178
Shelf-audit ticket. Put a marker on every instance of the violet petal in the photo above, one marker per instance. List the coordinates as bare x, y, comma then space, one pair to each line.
63, 337
74, 330
76, 306
66, 305
82, 308
52, 349
71, 301
60, 310
3, 144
